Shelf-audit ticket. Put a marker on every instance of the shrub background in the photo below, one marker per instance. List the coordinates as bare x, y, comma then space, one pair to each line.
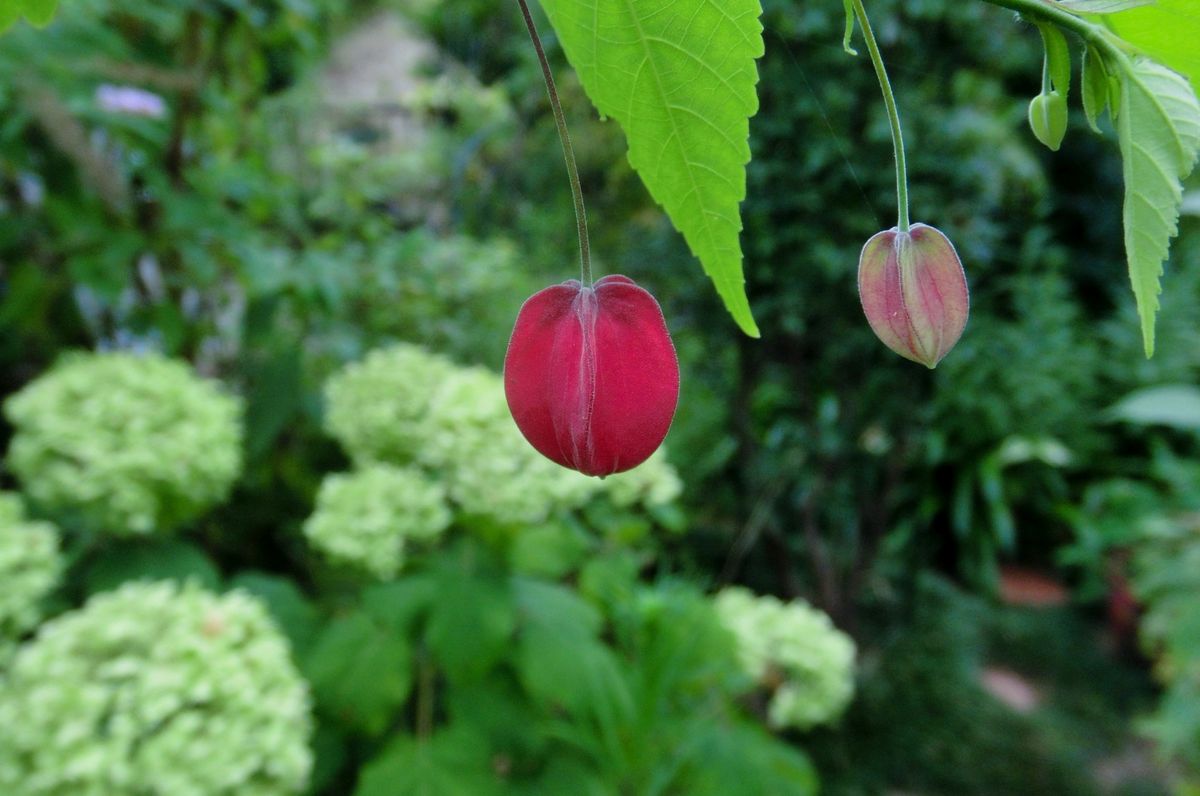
322, 242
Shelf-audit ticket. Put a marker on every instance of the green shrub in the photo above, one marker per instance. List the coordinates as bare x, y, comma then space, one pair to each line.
922, 722
1146, 529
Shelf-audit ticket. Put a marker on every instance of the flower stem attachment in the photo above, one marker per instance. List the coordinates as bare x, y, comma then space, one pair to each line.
585, 253
889, 100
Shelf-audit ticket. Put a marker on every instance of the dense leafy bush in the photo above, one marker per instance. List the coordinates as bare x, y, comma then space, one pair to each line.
467, 617
156, 689
1137, 538
508, 677
124, 444
923, 721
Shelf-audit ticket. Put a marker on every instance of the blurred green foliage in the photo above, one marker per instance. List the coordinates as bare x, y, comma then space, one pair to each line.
349, 261
1138, 536
923, 720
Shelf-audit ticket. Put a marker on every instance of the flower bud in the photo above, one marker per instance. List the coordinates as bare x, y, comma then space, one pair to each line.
591, 375
914, 292
1048, 119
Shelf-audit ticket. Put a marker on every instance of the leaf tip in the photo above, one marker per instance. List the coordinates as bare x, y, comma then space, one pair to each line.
748, 326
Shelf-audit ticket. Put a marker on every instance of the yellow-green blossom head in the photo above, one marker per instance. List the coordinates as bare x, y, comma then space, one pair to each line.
156, 688
124, 444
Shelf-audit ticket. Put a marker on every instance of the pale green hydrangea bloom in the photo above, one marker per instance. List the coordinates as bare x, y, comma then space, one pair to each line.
794, 649
124, 444
405, 406
377, 408
155, 689
490, 469
30, 568
365, 518
654, 482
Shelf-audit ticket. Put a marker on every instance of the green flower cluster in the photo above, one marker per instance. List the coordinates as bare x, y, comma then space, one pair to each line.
365, 518
405, 406
30, 566
377, 407
795, 650
124, 444
490, 469
654, 482
155, 688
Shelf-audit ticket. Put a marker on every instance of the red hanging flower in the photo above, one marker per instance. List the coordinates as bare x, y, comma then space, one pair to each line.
591, 375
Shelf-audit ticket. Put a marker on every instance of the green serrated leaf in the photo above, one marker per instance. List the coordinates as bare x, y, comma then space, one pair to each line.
398, 605
573, 673
1102, 6
9, 14
680, 79
1167, 31
39, 13
550, 550
740, 757
498, 710
1094, 86
1159, 129
559, 660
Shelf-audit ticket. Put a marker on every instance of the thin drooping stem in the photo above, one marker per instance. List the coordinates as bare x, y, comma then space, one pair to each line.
889, 100
585, 252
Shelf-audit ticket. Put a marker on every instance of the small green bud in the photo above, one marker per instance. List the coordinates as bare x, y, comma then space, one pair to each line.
914, 292
1048, 119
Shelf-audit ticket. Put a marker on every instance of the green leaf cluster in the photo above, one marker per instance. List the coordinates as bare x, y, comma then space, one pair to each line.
467, 678
1165, 30
1148, 519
